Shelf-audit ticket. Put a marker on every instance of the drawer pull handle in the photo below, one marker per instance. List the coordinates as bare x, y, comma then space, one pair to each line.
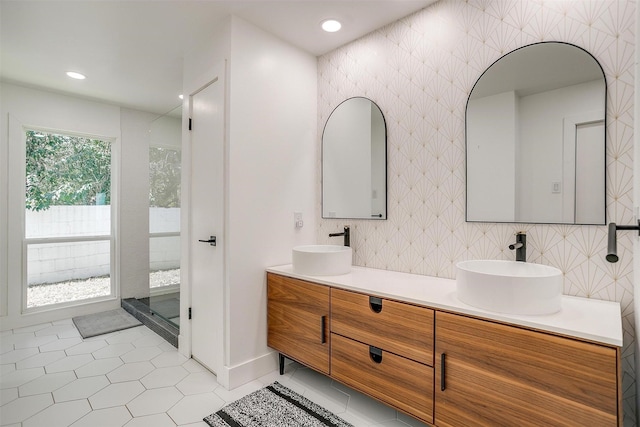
375, 353
323, 325
442, 376
375, 304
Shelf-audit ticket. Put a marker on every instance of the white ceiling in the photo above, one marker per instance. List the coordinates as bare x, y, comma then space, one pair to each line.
132, 50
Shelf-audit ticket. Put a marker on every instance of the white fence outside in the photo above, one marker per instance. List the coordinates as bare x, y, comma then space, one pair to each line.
56, 262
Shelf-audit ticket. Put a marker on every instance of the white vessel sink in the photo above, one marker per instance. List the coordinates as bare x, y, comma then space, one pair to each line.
509, 286
322, 260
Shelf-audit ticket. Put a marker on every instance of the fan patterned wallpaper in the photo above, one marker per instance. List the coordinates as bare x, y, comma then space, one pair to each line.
420, 70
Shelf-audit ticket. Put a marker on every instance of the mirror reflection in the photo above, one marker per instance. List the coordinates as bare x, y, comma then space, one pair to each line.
535, 138
165, 157
354, 162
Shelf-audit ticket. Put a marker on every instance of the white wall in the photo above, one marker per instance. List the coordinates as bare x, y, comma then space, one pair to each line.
272, 159
53, 111
494, 122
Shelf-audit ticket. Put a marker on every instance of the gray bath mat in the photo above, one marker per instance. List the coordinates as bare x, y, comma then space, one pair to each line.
91, 325
274, 405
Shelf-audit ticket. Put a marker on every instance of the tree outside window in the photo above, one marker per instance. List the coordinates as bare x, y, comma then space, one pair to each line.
164, 177
66, 170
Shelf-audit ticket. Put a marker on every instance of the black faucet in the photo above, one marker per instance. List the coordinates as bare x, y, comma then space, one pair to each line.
612, 247
345, 233
520, 246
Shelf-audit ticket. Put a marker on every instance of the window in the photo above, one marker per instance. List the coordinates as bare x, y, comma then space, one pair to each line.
68, 232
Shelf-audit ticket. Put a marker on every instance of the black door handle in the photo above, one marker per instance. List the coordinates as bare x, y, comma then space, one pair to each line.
211, 241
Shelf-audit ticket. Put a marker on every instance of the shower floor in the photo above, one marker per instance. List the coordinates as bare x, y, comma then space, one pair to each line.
166, 306
161, 321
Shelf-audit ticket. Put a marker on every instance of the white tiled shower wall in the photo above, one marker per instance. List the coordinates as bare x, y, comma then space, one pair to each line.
420, 70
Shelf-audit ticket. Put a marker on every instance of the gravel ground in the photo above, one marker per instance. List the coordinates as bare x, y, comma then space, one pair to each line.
164, 278
52, 293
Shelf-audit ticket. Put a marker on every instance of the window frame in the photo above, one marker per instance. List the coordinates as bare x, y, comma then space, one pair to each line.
111, 237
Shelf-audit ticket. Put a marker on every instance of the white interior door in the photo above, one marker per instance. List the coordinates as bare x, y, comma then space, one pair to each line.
206, 220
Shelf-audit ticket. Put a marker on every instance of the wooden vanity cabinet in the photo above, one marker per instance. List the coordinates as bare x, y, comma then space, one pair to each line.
445, 369
491, 374
298, 320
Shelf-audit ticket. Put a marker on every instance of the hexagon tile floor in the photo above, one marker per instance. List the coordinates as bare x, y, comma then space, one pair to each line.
51, 377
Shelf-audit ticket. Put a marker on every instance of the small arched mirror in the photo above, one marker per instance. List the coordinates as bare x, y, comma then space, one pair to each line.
535, 138
354, 162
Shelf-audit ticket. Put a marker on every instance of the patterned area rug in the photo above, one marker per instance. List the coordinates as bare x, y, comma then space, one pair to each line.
272, 406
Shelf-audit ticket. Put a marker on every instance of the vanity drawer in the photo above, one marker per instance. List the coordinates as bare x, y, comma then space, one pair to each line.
403, 329
405, 384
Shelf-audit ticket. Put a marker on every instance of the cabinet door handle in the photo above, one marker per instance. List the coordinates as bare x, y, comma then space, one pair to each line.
442, 369
323, 325
375, 304
375, 354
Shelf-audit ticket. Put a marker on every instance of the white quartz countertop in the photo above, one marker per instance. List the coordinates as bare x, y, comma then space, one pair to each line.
590, 319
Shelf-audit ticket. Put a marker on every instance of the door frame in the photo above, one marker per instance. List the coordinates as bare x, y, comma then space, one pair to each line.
218, 71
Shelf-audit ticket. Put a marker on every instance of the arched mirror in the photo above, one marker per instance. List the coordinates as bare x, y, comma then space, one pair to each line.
354, 161
535, 138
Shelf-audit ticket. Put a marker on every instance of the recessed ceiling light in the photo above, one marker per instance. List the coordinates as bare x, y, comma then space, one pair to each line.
75, 75
181, 96
331, 25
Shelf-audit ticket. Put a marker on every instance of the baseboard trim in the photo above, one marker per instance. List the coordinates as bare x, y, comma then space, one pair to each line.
235, 376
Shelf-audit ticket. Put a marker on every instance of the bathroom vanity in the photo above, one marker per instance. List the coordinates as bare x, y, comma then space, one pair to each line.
407, 341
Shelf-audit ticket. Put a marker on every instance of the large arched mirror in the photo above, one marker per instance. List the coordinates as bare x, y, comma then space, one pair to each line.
535, 138
354, 161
